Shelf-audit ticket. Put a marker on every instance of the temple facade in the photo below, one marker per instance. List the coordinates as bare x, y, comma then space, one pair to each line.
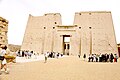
3, 32
91, 32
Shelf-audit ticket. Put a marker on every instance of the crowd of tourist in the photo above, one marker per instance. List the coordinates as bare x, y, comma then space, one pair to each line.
26, 53
52, 55
101, 57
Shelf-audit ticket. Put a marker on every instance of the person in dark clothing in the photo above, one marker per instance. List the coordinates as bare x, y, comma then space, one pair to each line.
57, 55
89, 57
92, 57
79, 55
22, 53
111, 57
18, 53
84, 56
107, 58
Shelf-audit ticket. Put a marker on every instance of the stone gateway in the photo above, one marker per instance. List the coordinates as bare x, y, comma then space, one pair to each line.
91, 32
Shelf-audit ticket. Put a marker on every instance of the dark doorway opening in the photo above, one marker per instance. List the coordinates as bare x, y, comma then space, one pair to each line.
66, 44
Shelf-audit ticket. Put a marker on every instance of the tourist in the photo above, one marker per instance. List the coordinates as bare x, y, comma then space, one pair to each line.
1, 59
89, 58
30, 54
84, 56
18, 53
94, 57
115, 58
57, 55
111, 57
3, 62
100, 58
23, 53
46, 56
79, 55
97, 57
107, 57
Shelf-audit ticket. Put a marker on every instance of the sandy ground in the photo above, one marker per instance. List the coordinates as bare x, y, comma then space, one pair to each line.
67, 68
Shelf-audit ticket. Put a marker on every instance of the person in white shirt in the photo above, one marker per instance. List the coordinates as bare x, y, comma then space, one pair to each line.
46, 56
3, 62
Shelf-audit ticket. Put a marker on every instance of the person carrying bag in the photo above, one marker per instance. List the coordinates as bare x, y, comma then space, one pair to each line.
3, 62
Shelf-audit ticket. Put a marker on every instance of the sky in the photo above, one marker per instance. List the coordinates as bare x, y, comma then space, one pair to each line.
17, 13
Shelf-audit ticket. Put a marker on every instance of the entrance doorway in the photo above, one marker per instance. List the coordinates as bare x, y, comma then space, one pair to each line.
66, 44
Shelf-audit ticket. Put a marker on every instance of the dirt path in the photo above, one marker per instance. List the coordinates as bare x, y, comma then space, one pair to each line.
68, 68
